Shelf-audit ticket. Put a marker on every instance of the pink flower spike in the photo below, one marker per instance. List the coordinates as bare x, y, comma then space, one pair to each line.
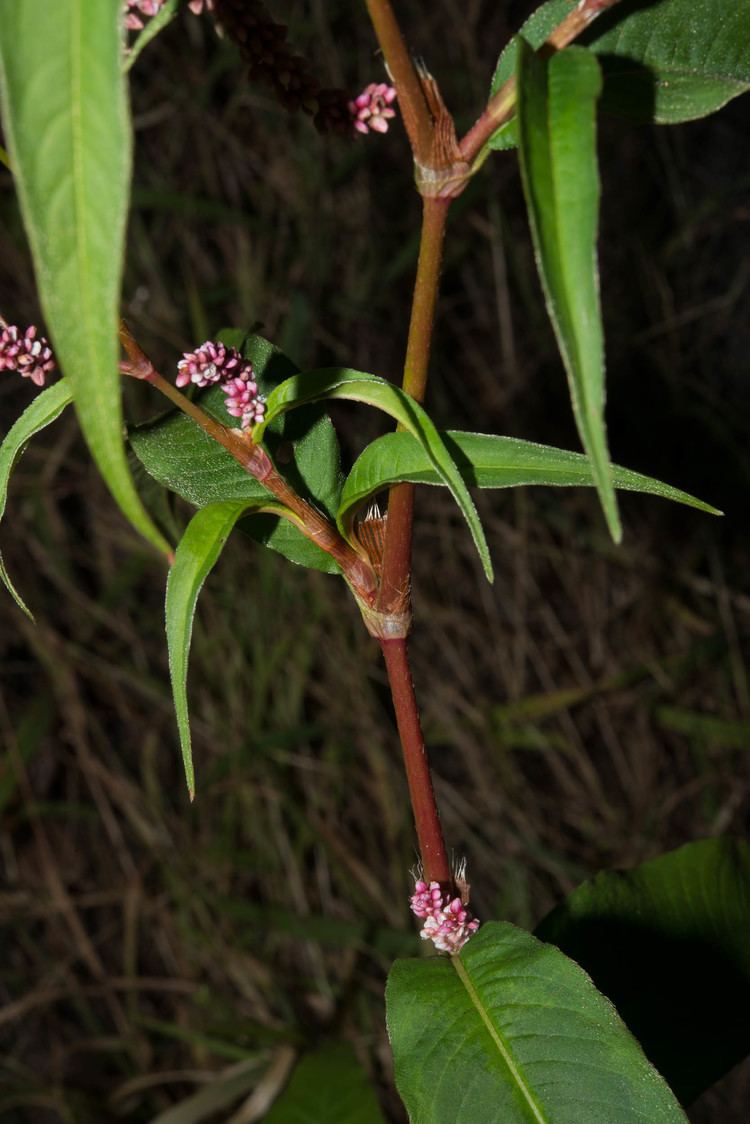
25, 352
447, 923
370, 110
196, 6
210, 363
213, 363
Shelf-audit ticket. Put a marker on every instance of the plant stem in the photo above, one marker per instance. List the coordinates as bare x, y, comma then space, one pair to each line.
411, 99
398, 535
429, 832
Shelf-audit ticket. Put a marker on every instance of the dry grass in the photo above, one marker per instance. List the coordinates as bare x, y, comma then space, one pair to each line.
148, 945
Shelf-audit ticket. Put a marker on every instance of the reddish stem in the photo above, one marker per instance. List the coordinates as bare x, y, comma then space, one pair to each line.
429, 832
398, 536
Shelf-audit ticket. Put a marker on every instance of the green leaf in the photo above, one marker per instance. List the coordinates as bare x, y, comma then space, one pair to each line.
513, 1031
44, 409
485, 461
304, 447
195, 557
669, 943
156, 24
557, 124
670, 61
328, 1085
339, 382
66, 121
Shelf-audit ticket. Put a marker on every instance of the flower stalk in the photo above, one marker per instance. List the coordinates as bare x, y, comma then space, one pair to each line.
256, 461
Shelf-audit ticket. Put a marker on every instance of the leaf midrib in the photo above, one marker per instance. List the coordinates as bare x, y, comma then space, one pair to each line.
504, 1051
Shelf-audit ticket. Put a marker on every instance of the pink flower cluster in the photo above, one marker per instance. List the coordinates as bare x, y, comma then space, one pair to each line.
25, 352
447, 923
213, 362
138, 10
372, 109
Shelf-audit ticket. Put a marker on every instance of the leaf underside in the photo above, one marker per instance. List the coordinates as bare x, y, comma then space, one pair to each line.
65, 116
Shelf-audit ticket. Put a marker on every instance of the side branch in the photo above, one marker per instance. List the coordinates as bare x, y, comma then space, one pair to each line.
501, 105
256, 462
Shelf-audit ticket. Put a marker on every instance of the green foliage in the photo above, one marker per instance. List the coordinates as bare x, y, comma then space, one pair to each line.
665, 61
328, 1085
196, 555
485, 461
512, 1030
304, 446
557, 129
45, 408
66, 120
339, 382
669, 943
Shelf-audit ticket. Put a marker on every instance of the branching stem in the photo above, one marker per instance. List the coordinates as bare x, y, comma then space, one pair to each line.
256, 461
501, 106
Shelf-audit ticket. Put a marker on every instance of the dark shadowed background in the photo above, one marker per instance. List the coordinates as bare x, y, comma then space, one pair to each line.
590, 710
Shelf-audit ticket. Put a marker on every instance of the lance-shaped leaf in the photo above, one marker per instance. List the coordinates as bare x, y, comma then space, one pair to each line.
66, 121
178, 454
557, 126
355, 386
195, 557
513, 1031
328, 1085
667, 61
669, 943
45, 408
157, 23
485, 461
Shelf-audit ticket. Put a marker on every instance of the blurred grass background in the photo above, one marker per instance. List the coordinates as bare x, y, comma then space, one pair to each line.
590, 710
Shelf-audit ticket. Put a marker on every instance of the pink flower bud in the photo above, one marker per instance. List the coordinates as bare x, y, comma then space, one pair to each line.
372, 108
211, 362
25, 352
